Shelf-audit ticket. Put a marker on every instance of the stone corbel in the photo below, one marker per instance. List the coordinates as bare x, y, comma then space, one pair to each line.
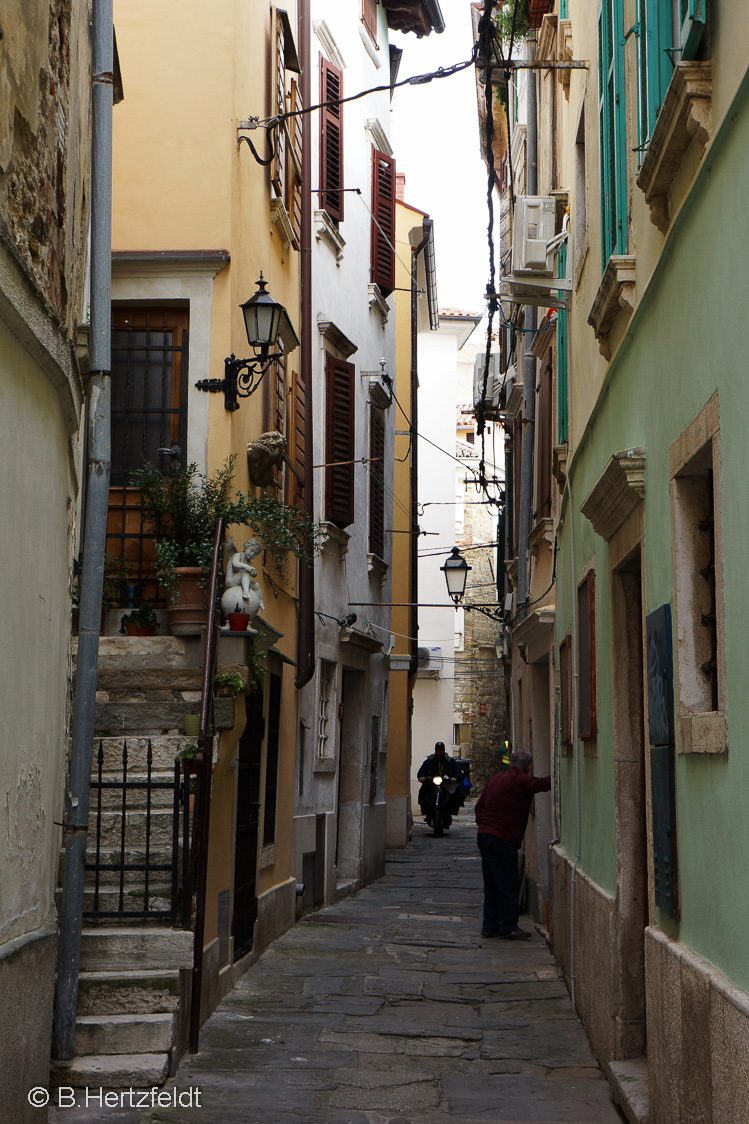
326, 229
336, 537
279, 217
617, 493
685, 116
616, 294
565, 53
378, 303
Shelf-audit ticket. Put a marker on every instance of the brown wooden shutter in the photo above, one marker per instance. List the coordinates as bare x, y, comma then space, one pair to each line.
376, 484
383, 224
331, 140
295, 440
586, 656
565, 687
339, 441
369, 17
543, 451
277, 172
294, 170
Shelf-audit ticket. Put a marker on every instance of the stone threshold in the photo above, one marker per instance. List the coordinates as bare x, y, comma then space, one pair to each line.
629, 1085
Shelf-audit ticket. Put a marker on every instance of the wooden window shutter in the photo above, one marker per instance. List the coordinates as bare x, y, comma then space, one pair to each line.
383, 223
586, 656
369, 18
565, 690
294, 159
278, 167
331, 140
295, 441
376, 484
543, 452
339, 441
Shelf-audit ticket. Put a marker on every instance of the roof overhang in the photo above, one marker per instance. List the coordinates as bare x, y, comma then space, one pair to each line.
419, 16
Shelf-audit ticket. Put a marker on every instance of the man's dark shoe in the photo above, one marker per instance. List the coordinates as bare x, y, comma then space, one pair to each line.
516, 935
490, 933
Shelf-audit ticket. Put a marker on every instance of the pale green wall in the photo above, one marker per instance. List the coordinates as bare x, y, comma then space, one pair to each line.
687, 339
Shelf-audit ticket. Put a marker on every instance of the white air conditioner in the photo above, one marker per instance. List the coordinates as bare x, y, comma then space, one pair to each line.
428, 662
490, 400
533, 229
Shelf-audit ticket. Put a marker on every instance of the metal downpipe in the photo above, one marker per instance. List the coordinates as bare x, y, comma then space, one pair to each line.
95, 531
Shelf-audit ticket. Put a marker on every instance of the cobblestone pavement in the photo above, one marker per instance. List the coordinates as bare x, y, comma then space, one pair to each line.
390, 1008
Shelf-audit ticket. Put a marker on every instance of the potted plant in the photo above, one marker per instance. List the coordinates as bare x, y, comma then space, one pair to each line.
140, 622
183, 508
228, 682
186, 754
238, 621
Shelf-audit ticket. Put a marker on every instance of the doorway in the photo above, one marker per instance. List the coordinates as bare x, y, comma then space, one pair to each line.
249, 758
630, 803
351, 753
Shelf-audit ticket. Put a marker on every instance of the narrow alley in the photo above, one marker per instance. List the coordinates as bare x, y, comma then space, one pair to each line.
389, 1008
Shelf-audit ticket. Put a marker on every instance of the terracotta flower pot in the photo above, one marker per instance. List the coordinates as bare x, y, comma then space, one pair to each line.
133, 629
187, 610
225, 691
238, 622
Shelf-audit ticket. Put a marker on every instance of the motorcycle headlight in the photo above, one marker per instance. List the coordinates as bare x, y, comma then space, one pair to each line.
437, 780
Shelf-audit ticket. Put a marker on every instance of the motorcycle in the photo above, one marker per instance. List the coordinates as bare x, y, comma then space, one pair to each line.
436, 801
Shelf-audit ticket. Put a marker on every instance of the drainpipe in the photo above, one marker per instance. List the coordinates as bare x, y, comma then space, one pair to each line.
414, 612
529, 367
95, 532
306, 625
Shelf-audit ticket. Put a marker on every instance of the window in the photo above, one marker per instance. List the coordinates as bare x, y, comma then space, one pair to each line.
565, 692
698, 585
271, 760
543, 451
295, 440
339, 441
369, 19
376, 483
383, 222
654, 63
331, 140
586, 657
286, 166
612, 128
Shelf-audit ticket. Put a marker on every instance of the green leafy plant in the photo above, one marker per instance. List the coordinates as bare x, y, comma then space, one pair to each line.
503, 19
116, 571
186, 752
233, 679
182, 510
256, 668
143, 616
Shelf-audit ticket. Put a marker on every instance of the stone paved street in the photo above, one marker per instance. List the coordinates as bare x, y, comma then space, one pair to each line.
389, 1008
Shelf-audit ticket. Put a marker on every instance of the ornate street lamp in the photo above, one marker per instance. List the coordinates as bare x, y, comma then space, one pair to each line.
456, 570
266, 323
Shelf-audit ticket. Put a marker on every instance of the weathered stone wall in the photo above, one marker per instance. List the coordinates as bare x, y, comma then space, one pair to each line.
479, 675
44, 147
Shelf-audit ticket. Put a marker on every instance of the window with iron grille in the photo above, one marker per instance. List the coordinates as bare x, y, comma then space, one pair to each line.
586, 657
383, 222
376, 484
339, 441
331, 140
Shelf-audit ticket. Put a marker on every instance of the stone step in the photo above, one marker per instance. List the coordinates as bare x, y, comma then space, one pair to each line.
134, 948
113, 1071
164, 748
155, 718
135, 829
111, 798
124, 1034
159, 900
149, 679
123, 992
146, 651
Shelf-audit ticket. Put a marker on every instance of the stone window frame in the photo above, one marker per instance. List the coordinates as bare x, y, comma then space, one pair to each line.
698, 730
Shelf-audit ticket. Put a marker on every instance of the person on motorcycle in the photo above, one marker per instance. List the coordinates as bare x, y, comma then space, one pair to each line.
440, 764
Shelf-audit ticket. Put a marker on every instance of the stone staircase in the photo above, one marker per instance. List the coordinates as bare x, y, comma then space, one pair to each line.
133, 997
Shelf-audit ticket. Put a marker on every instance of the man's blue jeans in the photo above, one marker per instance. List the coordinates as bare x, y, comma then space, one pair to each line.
499, 864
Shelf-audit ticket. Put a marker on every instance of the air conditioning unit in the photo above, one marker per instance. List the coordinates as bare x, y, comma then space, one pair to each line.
428, 663
490, 400
533, 229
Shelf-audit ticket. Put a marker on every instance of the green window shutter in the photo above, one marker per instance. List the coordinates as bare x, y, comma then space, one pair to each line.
654, 62
562, 358
612, 129
564, 9
692, 24
620, 127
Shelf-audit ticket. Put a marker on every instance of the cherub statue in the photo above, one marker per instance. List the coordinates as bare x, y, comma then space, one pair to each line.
242, 593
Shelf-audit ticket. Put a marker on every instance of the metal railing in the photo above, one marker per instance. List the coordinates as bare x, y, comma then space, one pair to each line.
117, 853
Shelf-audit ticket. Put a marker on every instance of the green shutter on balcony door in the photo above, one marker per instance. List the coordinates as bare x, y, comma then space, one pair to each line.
612, 129
562, 357
692, 25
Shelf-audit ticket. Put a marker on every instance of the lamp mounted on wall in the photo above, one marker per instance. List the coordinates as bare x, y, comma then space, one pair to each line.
267, 324
456, 570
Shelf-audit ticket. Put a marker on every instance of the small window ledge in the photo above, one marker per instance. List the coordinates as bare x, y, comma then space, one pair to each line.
565, 54
378, 303
328, 232
279, 218
620, 489
377, 566
560, 454
615, 295
542, 532
337, 537
358, 638
703, 733
684, 117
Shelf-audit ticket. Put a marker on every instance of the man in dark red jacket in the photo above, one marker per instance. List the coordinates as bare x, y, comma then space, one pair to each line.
502, 813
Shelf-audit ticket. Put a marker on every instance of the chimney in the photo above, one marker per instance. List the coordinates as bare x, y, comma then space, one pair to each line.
400, 183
